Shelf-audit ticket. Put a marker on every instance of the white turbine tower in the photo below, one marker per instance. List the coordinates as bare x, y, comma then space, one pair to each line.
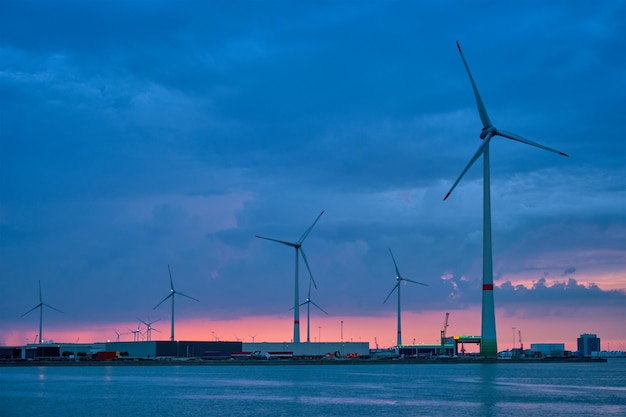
298, 247
40, 306
171, 295
488, 344
308, 303
399, 279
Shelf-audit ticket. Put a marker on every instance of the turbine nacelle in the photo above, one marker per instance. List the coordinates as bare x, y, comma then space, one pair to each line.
488, 131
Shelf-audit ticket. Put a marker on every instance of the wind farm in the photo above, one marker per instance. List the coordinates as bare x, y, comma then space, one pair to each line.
312, 208
487, 340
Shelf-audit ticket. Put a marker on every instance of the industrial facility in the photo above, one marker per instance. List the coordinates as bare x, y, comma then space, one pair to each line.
451, 347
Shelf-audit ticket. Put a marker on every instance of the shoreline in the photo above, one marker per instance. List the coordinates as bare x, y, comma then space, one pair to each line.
288, 362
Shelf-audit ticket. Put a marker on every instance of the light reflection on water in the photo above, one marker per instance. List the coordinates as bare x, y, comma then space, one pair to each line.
508, 390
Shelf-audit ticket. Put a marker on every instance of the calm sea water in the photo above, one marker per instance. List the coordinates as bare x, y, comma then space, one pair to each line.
537, 389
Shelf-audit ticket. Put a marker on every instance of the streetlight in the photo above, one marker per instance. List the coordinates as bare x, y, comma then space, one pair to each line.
513, 339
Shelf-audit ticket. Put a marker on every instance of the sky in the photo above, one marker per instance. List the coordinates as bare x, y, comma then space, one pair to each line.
137, 135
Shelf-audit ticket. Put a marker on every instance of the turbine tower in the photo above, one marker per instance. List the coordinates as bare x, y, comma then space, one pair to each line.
40, 306
298, 247
399, 279
171, 295
488, 343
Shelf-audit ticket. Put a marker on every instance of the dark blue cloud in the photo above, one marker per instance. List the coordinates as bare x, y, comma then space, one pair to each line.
137, 135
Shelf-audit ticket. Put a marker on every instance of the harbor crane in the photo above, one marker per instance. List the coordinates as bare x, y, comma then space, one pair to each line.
442, 349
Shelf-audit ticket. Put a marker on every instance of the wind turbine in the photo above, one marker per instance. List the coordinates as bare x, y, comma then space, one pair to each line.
171, 295
399, 279
296, 305
308, 303
136, 333
488, 344
118, 334
149, 328
40, 307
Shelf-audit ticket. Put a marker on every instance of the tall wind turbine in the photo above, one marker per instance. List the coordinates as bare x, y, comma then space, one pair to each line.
488, 344
171, 295
298, 247
399, 279
40, 306
308, 303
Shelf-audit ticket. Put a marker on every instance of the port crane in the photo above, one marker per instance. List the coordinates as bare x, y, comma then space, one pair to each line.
442, 349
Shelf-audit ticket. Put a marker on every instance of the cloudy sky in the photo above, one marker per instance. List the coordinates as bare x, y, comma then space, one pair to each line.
134, 135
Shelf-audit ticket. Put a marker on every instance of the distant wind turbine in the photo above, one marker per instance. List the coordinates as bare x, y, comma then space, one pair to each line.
171, 295
149, 327
136, 333
118, 334
298, 247
488, 344
399, 279
40, 306
308, 303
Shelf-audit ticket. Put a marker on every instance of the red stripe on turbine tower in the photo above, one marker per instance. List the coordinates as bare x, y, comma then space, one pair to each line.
487, 287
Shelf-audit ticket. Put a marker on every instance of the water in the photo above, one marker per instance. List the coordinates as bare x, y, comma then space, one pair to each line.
558, 389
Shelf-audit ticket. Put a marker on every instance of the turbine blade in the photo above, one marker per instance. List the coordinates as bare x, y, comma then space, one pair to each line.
482, 111
394, 263
40, 299
143, 321
162, 301
415, 282
306, 262
309, 291
518, 138
293, 245
392, 290
49, 306
171, 281
306, 233
185, 295
34, 308
320, 308
479, 152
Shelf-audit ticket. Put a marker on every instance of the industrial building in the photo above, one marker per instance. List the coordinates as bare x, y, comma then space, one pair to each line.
186, 349
588, 343
548, 349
